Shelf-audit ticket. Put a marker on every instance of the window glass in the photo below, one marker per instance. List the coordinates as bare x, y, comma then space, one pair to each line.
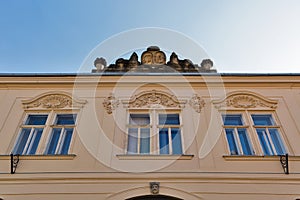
277, 141
36, 120
265, 141
34, 141
65, 119
176, 141
54, 140
145, 140
141, 133
29, 137
169, 119
231, 141
164, 141
244, 142
237, 136
262, 120
24, 135
139, 119
234, 120
61, 136
132, 140
66, 140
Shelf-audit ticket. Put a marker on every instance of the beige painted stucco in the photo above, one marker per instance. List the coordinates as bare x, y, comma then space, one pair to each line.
98, 167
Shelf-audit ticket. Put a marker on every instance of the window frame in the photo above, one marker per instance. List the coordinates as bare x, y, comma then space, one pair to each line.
240, 151
47, 129
251, 130
276, 126
139, 127
154, 130
23, 125
62, 133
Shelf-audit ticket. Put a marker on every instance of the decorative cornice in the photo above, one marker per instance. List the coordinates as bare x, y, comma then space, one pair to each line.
110, 103
53, 100
153, 60
245, 100
197, 103
154, 99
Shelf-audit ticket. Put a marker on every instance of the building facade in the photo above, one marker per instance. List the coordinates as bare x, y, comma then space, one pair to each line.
150, 129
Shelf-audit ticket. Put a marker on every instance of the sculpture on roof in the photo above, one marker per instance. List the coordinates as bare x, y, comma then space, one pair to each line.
153, 60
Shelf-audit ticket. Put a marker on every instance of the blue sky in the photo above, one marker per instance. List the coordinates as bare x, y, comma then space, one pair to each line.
238, 35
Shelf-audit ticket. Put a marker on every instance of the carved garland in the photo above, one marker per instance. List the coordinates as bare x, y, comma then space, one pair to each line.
53, 101
245, 100
197, 103
154, 99
110, 103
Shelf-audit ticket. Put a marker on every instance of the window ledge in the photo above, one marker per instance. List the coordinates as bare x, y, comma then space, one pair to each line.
258, 158
41, 157
154, 157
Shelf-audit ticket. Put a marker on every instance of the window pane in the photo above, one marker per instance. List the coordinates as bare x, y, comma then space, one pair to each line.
176, 141
247, 150
65, 119
36, 120
234, 120
35, 140
67, 140
262, 120
132, 140
54, 140
169, 119
139, 119
164, 141
19, 148
231, 142
145, 140
280, 150
264, 141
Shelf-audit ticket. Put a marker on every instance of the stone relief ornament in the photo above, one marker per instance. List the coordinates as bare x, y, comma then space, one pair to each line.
110, 103
154, 187
245, 100
154, 99
53, 101
197, 103
153, 60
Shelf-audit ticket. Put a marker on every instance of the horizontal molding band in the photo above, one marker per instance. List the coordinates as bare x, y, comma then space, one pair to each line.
41, 157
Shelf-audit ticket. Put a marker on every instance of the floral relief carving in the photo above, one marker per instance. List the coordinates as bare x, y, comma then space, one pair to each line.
154, 99
245, 100
52, 101
110, 103
197, 103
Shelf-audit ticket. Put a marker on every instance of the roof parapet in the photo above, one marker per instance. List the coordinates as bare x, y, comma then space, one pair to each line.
153, 60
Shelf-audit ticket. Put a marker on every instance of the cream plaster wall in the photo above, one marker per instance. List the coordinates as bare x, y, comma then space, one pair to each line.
94, 170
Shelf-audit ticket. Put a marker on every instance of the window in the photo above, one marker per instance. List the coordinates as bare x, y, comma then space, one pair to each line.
61, 135
236, 135
154, 132
264, 130
139, 133
169, 134
30, 134
268, 134
36, 127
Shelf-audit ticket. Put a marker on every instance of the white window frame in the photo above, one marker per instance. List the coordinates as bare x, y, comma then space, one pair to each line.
139, 127
62, 133
169, 127
154, 130
45, 139
252, 135
236, 135
267, 135
32, 135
